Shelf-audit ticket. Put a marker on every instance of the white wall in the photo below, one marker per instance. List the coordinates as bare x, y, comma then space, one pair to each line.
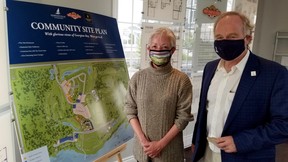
6, 142
271, 17
4, 96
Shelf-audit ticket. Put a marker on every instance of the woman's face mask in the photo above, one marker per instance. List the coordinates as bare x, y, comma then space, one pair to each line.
160, 57
229, 49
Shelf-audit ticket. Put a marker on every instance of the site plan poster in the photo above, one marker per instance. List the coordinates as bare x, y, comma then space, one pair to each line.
69, 79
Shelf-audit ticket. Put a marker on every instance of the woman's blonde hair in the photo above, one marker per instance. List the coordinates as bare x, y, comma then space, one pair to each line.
164, 30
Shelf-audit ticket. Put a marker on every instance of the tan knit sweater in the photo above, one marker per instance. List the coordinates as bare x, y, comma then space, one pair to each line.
159, 98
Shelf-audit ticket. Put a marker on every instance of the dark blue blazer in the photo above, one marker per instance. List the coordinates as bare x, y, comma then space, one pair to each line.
258, 117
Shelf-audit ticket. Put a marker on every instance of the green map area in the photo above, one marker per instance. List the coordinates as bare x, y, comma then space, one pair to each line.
69, 106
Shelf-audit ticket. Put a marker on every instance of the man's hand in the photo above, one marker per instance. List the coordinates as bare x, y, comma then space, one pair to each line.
226, 144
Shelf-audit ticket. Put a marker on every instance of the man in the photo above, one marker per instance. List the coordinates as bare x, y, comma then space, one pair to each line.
243, 109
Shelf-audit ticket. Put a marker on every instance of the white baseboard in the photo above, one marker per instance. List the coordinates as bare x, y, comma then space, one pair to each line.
129, 159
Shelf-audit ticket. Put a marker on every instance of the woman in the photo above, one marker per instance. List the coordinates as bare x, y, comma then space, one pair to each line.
158, 103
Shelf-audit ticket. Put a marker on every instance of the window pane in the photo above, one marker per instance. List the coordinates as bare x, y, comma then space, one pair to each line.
137, 11
197, 42
125, 10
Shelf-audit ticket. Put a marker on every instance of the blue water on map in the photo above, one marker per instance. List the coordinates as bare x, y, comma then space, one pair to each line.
122, 135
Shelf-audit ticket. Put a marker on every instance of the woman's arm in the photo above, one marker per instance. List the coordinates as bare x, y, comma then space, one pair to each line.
138, 131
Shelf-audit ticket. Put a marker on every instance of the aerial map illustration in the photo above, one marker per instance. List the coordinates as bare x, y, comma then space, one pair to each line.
75, 109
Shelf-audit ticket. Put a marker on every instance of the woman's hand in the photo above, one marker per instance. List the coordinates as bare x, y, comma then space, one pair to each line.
153, 149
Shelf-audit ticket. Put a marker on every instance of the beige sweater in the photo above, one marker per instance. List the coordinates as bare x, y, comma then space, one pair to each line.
159, 98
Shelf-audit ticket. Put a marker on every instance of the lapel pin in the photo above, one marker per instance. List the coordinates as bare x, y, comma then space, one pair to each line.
253, 73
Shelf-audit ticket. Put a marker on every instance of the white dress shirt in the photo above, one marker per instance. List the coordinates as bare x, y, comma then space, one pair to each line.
220, 96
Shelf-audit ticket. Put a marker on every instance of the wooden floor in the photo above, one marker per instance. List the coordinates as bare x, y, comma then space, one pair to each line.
281, 155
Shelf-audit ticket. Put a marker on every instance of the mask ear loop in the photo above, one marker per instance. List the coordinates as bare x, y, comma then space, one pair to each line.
249, 39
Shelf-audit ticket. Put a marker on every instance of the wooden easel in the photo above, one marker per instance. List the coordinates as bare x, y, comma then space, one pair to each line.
112, 153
